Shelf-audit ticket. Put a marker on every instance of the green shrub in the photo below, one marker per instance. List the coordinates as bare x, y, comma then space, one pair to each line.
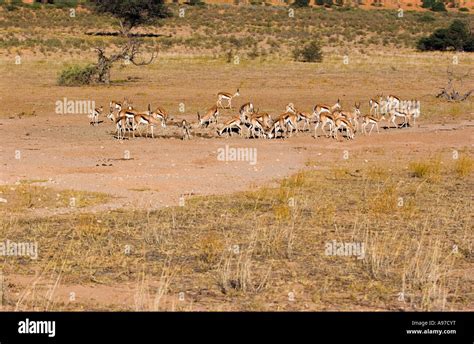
311, 52
65, 3
76, 75
300, 3
469, 44
455, 37
438, 6
13, 5
196, 3
36, 6
427, 3
463, 9
434, 5
426, 18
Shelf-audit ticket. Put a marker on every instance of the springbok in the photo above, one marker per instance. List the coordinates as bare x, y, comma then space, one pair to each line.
210, 117
277, 127
227, 97
160, 114
148, 120
94, 115
122, 125
353, 117
230, 126
288, 122
369, 119
301, 116
325, 119
263, 117
343, 123
246, 110
395, 113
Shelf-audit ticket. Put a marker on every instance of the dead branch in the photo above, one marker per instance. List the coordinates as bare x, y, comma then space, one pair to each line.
130, 51
449, 91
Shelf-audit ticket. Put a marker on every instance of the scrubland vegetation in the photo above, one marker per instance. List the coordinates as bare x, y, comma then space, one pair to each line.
250, 31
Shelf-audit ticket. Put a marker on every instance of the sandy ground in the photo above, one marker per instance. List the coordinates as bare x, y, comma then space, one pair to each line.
70, 154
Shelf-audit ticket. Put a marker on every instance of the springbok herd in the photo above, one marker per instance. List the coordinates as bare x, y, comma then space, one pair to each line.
253, 123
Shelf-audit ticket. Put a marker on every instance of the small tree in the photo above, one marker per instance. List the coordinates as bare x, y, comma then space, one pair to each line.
311, 52
130, 13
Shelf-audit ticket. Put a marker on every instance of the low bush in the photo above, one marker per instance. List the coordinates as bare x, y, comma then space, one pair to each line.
76, 75
311, 52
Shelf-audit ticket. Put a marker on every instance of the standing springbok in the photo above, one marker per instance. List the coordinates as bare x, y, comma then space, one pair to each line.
245, 113
94, 115
395, 113
120, 105
227, 97
132, 116
288, 122
263, 117
246, 110
323, 119
148, 120
122, 125
369, 119
301, 116
319, 109
353, 117
255, 127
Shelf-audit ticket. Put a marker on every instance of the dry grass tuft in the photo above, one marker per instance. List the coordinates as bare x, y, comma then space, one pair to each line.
429, 169
262, 245
463, 166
